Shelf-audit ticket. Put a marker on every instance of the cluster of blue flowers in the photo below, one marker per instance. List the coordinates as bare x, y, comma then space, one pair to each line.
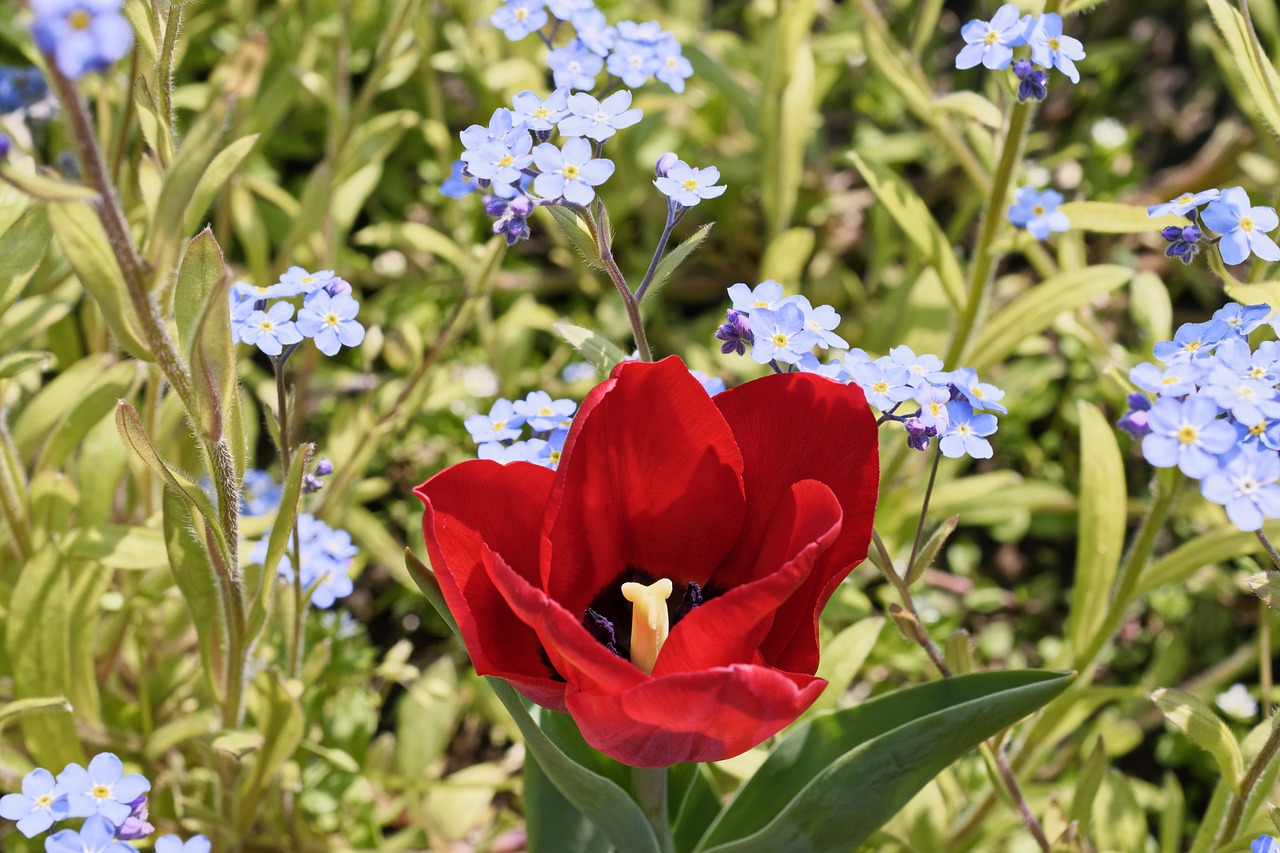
631, 52
915, 391
114, 804
1211, 408
325, 553
1242, 227
82, 37
1038, 212
499, 432
991, 44
263, 316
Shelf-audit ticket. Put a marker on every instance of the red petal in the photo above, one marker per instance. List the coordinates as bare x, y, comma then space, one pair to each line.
792, 427
481, 504
583, 660
693, 716
728, 629
650, 479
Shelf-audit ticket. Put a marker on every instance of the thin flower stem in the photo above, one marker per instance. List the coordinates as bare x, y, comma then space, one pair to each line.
1266, 678
672, 219
985, 256
1252, 777
1011, 784
629, 301
649, 784
1270, 549
924, 507
299, 591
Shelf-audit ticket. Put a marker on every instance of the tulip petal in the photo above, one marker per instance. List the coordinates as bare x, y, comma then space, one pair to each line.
650, 480
693, 716
729, 628
838, 447
481, 504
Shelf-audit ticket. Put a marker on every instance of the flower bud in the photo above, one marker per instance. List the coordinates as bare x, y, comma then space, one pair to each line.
1191, 234
664, 164
1171, 233
521, 205
4, 145
324, 468
337, 287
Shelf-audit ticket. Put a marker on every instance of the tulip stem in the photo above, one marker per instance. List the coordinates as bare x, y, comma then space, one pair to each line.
649, 784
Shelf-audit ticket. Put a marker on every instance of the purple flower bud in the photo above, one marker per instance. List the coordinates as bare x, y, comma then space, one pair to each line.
494, 206
1022, 67
1139, 402
4, 145
664, 164
324, 467
1034, 87
1182, 250
521, 206
1172, 233
311, 484
337, 287
1134, 423
1191, 234
135, 825
918, 435
735, 332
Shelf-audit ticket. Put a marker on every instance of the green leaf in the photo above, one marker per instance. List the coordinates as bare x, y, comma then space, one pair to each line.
86, 412
41, 705
552, 821
596, 796
118, 546
221, 168
673, 259
1033, 311
593, 346
33, 315
23, 246
787, 255
1108, 217
1205, 729
1262, 293
836, 779
426, 718
971, 105
842, 658
1100, 526
1217, 546
278, 541
1093, 771
929, 552
277, 716
43, 187
37, 639
84, 243
202, 590
693, 803
572, 226
15, 362
189, 165
1266, 585
1256, 72
414, 237
204, 333
917, 224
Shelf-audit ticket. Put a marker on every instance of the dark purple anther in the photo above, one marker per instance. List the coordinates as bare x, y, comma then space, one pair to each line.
600, 628
692, 599
735, 332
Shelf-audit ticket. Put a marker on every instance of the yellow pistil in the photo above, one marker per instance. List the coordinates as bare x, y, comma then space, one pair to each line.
570, 172
306, 279
1192, 346
761, 305
266, 325
992, 37
542, 112
1186, 199
331, 319
100, 792
44, 801
1038, 210
881, 387
1259, 428
506, 160
976, 391
650, 621
691, 185
79, 19
1054, 44
780, 340
1188, 434
1246, 224
521, 13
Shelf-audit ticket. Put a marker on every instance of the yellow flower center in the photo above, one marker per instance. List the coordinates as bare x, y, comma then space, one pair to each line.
1186, 199
306, 279
545, 411
691, 184
44, 801
570, 172
331, 319
1038, 210
1257, 373
261, 291
880, 387
1259, 428
1246, 224
780, 340
761, 305
521, 13
671, 62
976, 391
935, 409
555, 457
1193, 346
1188, 434
650, 622
506, 160
541, 112
1054, 44
266, 325
499, 426
1170, 380
79, 19
992, 37
100, 792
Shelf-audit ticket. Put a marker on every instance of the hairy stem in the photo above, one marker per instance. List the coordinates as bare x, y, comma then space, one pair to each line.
672, 219
296, 634
1252, 777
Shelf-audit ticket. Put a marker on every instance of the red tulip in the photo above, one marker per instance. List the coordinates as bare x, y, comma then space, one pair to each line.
747, 508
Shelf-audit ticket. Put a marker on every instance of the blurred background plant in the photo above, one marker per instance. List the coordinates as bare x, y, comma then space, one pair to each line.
848, 142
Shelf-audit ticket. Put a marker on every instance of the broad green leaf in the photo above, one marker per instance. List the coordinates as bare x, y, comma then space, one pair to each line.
1151, 307
1262, 293
787, 255
1217, 546
1033, 311
86, 412
577, 233
23, 246
414, 237
673, 259
787, 109
842, 658
88, 584
33, 315
693, 802
99, 469
215, 178
180, 181
599, 798
1100, 525
426, 717
85, 245
15, 362
1092, 772
917, 224
204, 333
42, 187
37, 639
1205, 729
929, 552
155, 128
41, 705
1256, 72
50, 405
180, 730
552, 821
14, 204
1108, 217
118, 546
202, 590
971, 105
1266, 585
277, 716
593, 346
836, 779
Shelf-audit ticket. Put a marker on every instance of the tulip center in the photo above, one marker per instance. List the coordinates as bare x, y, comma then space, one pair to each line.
650, 621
